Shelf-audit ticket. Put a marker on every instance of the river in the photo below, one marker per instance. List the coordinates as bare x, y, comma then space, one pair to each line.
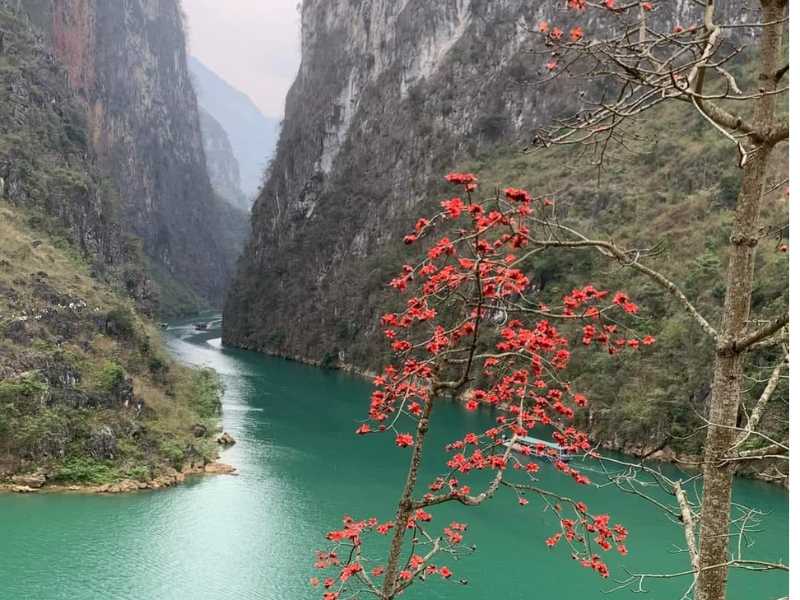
254, 536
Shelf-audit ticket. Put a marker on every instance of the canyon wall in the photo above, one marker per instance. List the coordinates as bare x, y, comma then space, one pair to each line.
88, 394
390, 95
126, 63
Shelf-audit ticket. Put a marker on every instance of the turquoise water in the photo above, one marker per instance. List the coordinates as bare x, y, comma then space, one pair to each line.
254, 536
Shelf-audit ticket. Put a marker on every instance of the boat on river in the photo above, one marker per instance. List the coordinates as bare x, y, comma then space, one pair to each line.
541, 448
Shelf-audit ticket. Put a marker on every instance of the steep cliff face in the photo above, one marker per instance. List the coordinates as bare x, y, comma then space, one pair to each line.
389, 96
223, 168
46, 163
127, 63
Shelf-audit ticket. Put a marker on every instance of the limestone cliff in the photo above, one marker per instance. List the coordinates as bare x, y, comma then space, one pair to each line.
126, 63
87, 394
252, 134
389, 96
46, 162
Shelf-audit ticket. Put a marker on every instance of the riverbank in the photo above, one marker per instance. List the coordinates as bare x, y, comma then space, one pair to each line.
33, 484
348, 368
768, 472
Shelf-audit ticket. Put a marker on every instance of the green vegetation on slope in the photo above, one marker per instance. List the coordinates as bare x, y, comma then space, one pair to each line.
86, 393
665, 191
678, 196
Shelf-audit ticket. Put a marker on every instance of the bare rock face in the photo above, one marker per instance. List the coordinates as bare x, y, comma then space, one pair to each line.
252, 135
102, 444
126, 62
217, 468
31, 480
223, 168
226, 439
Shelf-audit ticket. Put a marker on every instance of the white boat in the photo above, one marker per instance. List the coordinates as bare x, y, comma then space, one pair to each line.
551, 450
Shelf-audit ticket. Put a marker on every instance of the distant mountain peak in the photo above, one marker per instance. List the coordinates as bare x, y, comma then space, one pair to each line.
252, 134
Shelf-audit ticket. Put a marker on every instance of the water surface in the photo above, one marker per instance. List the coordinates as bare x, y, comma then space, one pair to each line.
254, 536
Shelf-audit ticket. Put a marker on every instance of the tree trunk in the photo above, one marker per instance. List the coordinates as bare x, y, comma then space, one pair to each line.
715, 513
405, 506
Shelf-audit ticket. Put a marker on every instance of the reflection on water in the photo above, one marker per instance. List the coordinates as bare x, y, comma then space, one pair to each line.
254, 536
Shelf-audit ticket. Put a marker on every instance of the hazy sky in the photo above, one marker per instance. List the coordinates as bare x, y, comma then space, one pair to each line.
252, 44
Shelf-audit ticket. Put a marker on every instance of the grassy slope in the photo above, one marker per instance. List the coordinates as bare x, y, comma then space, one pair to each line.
677, 190
86, 391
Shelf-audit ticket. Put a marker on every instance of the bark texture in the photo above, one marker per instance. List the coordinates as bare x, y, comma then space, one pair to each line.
726, 395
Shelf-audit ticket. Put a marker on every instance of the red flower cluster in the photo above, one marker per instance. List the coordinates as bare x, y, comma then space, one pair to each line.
468, 307
468, 180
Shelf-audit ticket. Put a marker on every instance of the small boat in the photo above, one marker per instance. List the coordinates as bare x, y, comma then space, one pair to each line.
201, 326
540, 448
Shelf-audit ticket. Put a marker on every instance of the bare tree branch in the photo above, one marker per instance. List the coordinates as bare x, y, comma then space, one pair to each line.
688, 526
761, 404
743, 343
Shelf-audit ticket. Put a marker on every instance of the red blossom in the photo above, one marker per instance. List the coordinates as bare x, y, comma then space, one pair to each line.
461, 178
404, 440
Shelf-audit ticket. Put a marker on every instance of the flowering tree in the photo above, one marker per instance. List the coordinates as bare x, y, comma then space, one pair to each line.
471, 330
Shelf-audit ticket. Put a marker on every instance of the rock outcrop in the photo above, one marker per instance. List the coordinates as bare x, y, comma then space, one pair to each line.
226, 439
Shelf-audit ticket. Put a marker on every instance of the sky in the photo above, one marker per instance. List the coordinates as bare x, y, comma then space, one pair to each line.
253, 44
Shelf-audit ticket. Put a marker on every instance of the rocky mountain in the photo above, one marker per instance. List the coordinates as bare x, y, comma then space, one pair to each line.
126, 65
87, 394
252, 135
46, 159
223, 168
389, 97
